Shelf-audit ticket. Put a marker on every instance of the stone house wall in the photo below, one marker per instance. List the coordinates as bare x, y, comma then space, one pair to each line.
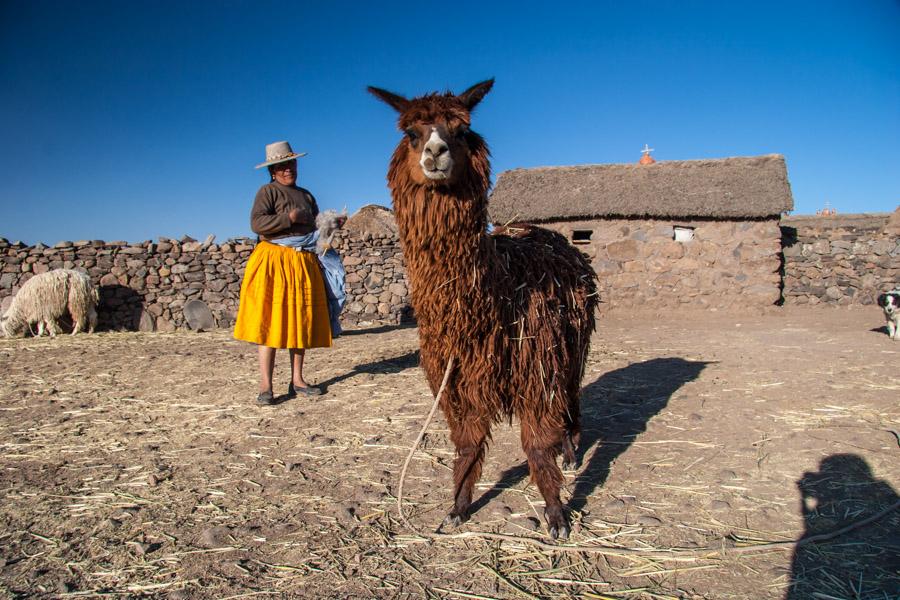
840, 259
639, 263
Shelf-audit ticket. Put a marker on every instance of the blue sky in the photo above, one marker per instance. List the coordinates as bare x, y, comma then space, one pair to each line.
134, 120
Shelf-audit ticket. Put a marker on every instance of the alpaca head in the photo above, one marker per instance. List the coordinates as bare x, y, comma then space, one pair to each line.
12, 325
439, 149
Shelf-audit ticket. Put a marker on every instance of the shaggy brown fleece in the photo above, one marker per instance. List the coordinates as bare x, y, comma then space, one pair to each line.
515, 309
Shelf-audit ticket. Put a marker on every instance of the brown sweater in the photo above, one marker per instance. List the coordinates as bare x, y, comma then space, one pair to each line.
269, 215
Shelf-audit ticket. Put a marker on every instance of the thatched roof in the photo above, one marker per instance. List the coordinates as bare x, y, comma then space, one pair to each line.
372, 218
741, 187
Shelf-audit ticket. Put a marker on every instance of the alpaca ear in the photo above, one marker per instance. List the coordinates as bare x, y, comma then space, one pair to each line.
395, 101
472, 96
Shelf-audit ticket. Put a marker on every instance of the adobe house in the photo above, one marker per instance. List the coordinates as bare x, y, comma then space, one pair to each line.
701, 233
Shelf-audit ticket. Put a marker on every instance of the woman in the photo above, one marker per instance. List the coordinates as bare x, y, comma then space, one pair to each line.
283, 301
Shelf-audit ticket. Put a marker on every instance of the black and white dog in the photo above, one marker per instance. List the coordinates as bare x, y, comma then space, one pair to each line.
890, 304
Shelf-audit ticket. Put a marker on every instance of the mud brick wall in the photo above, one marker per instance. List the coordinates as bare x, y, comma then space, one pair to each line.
170, 284
840, 259
639, 263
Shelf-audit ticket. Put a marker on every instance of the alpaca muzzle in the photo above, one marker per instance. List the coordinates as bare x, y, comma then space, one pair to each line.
436, 161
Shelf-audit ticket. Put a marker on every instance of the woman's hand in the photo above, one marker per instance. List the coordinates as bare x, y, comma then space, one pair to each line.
341, 220
295, 215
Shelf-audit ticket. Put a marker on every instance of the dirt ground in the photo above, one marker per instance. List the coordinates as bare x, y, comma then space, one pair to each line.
137, 464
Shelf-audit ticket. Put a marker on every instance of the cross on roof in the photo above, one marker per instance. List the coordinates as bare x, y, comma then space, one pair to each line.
647, 149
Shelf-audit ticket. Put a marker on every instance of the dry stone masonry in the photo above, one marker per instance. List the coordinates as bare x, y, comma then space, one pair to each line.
713, 263
171, 284
376, 278
840, 259
144, 285
186, 284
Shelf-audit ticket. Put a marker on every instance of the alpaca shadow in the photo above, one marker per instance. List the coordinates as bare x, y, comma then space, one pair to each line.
862, 563
508, 479
380, 328
119, 309
616, 407
387, 366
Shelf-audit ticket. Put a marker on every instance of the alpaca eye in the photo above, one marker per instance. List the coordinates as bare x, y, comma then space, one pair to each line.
412, 135
462, 132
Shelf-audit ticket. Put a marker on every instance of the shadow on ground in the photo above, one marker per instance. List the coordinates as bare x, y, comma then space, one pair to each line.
863, 563
615, 410
385, 366
380, 328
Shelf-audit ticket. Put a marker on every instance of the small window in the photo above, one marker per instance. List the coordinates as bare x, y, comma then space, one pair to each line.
684, 234
581, 236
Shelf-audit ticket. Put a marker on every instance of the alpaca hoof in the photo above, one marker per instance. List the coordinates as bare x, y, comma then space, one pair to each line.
453, 521
557, 524
569, 465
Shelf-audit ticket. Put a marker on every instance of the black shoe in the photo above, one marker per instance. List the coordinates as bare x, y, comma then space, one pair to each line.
310, 390
265, 399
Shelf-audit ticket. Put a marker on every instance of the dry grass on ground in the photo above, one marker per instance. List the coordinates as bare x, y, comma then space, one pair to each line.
136, 464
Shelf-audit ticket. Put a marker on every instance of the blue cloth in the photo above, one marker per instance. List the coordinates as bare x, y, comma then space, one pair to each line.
332, 270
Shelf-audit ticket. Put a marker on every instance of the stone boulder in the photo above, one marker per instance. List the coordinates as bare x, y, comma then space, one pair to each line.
198, 316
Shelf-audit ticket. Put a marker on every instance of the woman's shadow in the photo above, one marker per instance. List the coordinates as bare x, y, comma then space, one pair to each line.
863, 563
615, 409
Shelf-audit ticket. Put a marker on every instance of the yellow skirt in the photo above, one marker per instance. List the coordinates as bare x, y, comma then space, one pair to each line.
283, 303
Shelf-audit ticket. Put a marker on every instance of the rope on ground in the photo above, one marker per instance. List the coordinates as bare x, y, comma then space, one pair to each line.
415, 446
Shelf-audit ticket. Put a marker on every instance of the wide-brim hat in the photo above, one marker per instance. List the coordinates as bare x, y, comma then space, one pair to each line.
279, 152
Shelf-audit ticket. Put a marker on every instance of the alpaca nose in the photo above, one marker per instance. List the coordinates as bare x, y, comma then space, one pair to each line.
435, 146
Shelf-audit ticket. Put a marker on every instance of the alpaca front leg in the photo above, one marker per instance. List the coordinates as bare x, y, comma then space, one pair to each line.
52, 327
892, 329
470, 440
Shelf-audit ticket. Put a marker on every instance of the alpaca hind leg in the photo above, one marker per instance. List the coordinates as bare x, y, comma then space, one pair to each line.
572, 434
568, 452
470, 439
542, 442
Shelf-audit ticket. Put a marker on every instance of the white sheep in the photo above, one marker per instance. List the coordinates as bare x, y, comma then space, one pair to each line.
49, 296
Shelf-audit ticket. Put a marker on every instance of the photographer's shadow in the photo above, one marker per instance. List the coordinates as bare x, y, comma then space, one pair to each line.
863, 562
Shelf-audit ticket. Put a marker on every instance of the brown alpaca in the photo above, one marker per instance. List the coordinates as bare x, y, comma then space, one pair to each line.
516, 311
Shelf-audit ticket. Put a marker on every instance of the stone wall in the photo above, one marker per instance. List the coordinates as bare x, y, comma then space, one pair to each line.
639, 262
171, 284
840, 259
143, 285
376, 278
